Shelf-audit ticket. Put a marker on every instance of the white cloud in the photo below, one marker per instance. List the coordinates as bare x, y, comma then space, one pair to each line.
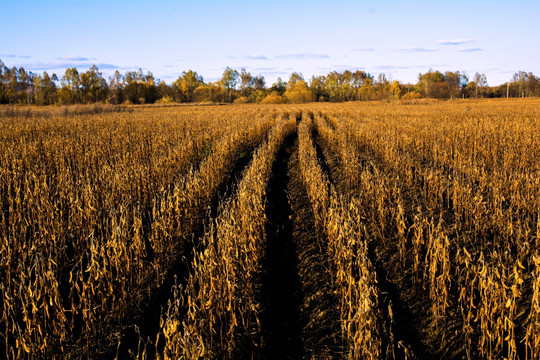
418, 49
455, 41
255, 57
64, 65
303, 56
15, 56
73, 58
470, 49
392, 67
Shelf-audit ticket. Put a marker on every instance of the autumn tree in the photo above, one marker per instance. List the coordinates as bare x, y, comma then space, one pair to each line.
396, 89
456, 83
214, 92
479, 84
116, 88
246, 82
318, 88
526, 84
44, 88
229, 80
186, 85
166, 93
297, 91
338, 86
358, 80
432, 84
3, 74
278, 87
259, 83
70, 92
94, 87
140, 88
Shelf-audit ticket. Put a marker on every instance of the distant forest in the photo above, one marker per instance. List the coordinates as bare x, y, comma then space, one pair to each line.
18, 86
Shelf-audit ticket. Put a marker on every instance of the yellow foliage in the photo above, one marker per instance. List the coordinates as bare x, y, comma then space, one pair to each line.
273, 99
298, 93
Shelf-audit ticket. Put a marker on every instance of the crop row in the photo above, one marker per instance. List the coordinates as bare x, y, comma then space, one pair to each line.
93, 212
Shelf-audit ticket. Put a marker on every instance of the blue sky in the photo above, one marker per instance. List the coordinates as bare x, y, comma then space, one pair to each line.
273, 38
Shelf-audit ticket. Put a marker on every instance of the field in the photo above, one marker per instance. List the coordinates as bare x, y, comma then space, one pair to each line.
358, 230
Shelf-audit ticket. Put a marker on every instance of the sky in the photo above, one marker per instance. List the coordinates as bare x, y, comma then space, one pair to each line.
273, 38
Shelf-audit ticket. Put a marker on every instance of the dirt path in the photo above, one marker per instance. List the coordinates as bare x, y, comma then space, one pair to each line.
281, 288
300, 317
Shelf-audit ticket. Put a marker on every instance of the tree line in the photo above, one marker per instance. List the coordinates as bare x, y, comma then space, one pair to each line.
18, 86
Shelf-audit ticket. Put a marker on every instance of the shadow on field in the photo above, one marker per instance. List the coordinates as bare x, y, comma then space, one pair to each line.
281, 289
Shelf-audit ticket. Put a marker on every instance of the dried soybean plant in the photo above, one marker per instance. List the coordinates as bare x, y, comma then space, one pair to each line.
79, 215
222, 317
354, 279
472, 167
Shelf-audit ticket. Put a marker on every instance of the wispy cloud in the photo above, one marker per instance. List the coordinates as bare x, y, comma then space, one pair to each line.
365, 50
270, 73
455, 41
392, 67
338, 67
14, 56
169, 76
73, 58
303, 56
418, 49
255, 57
470, 49
67, 64
264, 68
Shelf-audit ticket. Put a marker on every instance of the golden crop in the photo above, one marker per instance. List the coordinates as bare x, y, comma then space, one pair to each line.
426, 227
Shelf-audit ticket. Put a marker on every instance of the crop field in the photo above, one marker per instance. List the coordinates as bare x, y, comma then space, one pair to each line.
318, 231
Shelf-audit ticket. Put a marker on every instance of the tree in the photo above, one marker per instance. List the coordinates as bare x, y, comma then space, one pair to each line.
396, 89
358, 80
71, 87
297, 91
278, 87
44, 88
3, 70
481, 83
246, 82
166, 93
339, 86
526, 83
318, 88
116, 88
259, 83
294, 78
214, 92
456, 83
13, 88
94, 88
187, 83
432, 84
229, 80
26, 88
140, 88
